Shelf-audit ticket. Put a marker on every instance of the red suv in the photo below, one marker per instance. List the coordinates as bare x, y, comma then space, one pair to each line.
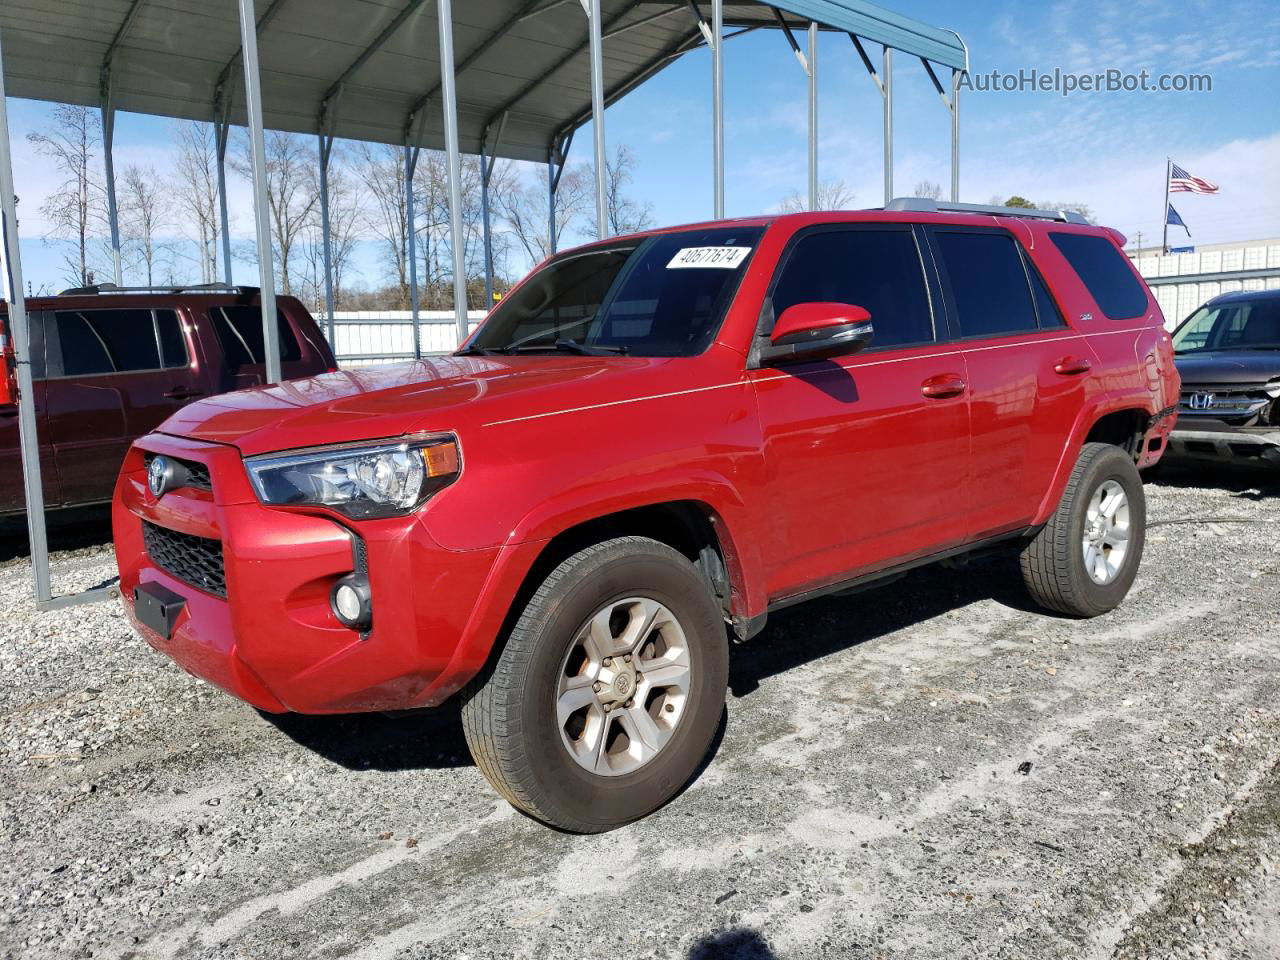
111, 364
650, 444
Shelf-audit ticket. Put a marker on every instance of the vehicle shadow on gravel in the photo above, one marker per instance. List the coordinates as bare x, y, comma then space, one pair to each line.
1255, 483
67, 530
413, 740
821, 627
739, 944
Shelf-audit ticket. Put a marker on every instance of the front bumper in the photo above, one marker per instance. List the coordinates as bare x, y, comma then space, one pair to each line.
1215, 440
273, 640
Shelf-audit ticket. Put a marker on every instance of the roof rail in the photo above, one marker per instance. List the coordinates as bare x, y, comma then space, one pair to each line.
925, 205
101, 288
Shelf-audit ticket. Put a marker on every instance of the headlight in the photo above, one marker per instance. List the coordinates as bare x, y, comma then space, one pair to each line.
361, 482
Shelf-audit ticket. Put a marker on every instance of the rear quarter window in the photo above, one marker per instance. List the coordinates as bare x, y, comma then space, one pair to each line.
239, 332
1105, 273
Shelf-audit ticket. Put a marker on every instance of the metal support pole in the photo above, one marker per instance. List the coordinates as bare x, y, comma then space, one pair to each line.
14, 293
597, 116
221, 130
113, 215
488, 160
449, 98
813, 116
955, 136
325, 149
887, 70
551, 203
717, 108
261, 211
1164, 216
411, 242
488, 240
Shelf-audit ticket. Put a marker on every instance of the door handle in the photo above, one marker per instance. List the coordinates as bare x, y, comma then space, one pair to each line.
1071, 366
182, 393
942, 386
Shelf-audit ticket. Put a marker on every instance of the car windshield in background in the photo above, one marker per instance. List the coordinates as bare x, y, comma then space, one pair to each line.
1242, 325
661, 296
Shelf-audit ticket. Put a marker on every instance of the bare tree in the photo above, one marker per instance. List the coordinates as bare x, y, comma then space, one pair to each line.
292, 193
381, 169
196, 193
524, 209
144, 214
832, 195
76, 210
622, 213
347, 225
928, 190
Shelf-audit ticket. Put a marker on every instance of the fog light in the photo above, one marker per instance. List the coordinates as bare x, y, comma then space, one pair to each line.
350, 601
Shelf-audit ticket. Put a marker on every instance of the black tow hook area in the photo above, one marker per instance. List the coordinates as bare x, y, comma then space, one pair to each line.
157, 607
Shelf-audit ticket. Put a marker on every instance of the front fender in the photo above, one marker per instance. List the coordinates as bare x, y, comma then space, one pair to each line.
515, 560
733, 524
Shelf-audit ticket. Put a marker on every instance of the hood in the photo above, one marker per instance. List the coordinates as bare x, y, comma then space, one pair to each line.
369, 403
1229, 366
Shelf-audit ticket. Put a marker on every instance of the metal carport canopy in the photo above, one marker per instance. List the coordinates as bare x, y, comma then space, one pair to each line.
376, 62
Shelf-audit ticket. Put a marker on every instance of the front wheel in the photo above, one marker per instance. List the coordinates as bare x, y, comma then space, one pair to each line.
1083, 561
608, 691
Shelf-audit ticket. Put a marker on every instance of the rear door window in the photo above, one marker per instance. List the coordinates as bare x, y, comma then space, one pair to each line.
97, 342
239, 332
988, 283
173, 346
1105, 273
877, 269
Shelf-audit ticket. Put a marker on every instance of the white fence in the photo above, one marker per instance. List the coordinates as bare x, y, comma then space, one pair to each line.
363, 337
1204, 271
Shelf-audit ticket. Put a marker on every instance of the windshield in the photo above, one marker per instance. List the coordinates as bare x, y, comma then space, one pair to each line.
661, 296
1244, 325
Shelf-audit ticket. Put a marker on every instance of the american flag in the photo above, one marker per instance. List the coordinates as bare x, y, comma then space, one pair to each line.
1182, 182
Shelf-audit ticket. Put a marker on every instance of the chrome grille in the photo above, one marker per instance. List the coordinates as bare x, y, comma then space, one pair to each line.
1230, 400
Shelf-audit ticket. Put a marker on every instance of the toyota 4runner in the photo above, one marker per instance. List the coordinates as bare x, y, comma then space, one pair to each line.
649, 445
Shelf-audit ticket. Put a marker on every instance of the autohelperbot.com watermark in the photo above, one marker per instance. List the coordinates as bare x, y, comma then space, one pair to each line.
1067, 82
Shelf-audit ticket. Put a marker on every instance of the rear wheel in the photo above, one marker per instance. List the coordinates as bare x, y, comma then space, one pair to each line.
1083, 561
608, 692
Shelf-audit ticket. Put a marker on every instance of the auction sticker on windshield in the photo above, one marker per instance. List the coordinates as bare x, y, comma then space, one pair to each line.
727, 258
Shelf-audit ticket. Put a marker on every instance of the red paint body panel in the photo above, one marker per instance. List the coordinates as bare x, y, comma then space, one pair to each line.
813, 473
87, 422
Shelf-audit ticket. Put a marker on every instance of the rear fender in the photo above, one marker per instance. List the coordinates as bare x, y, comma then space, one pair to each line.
1104, 403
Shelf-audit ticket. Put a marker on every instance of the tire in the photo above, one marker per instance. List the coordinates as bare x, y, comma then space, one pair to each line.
1055, 564
542, 750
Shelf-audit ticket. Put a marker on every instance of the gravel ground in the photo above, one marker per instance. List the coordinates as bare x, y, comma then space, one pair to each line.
933, 769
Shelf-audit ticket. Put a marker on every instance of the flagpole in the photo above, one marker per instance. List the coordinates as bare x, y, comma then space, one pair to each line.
1168, 172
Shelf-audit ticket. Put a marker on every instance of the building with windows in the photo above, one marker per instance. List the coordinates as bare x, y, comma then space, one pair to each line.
1183, 281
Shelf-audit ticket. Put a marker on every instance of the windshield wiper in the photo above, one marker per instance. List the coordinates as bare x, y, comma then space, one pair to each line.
475, 351
592, 350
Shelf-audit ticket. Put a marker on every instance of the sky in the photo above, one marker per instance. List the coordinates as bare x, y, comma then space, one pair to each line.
1105, 149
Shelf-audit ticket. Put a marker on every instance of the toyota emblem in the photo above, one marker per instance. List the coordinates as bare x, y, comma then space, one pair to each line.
158, 476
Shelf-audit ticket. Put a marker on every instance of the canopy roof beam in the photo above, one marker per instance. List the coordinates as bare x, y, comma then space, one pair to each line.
336, 88
484, 47
675, 50
577, 51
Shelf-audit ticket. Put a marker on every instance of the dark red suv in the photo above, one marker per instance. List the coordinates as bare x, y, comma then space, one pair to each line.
110, 365
650, 444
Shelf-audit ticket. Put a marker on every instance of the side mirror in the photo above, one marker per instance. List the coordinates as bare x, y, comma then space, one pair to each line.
816, 331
